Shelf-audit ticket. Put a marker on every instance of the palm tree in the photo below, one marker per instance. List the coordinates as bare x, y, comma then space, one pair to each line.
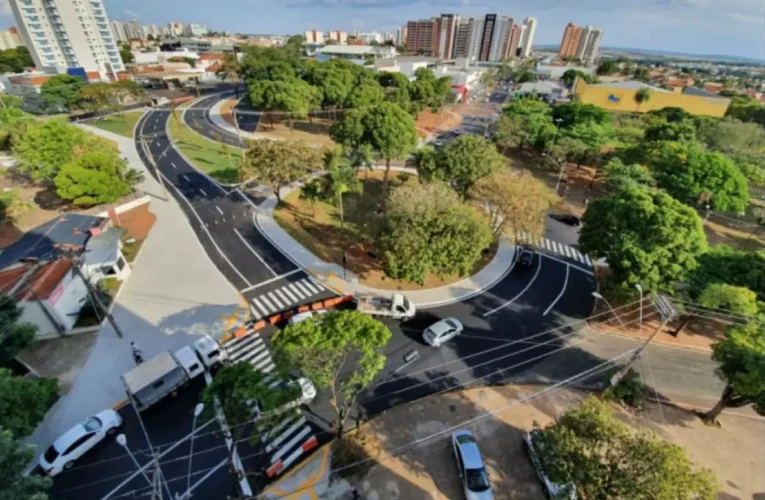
342, 179
641, 96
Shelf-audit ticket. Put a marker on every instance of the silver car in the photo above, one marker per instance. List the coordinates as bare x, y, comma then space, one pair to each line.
475, 479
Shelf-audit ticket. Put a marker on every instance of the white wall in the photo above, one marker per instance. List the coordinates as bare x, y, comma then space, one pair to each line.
68, 298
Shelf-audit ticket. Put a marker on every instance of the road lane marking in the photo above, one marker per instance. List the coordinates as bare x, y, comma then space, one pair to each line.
173, 165
587, 258
260, 306
283, 297
267, 302
276, 300
528, 285
295, 289
562, 291
251, 249
203, 192
569, 251
309, 286
219, 210
586, 271
183, 176
271, 280
293, 298
299, 285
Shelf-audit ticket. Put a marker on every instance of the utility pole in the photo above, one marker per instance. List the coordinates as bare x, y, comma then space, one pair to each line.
668, 312
94, 296
238, 132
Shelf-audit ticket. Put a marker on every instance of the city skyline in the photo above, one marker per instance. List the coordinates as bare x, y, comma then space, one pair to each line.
734, 27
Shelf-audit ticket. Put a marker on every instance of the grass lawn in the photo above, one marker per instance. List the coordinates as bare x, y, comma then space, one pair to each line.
206, 155
122, 124
320, 233
130, 250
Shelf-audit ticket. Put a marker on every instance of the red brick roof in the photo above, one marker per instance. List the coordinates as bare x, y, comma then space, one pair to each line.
40, 283
211, 57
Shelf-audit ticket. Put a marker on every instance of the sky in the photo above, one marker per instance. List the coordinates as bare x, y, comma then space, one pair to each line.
730, 27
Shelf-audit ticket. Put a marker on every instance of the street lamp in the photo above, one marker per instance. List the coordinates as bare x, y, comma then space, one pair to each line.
122, 441
640, 289
197, 411
557, 126
599, 296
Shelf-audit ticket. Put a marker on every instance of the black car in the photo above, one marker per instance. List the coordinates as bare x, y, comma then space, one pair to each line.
526, 257
568, 219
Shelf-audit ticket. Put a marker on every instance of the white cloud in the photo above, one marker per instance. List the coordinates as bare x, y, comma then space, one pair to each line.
749, 18
131, 14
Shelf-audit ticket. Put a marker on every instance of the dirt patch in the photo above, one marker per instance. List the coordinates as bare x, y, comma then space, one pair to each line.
137, 221
225, 111
428, 122
314, 132
320, 233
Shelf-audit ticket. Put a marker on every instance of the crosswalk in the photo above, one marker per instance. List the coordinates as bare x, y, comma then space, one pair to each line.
285, 297
553, 246
250, 348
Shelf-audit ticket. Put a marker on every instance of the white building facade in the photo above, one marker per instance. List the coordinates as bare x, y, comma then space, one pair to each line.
63, 34
527, 38
10, 39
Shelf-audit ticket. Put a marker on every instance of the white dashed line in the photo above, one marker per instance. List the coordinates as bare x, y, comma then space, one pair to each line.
220, 211
250, 247
203, 192
173, 165
562, 291
528, 285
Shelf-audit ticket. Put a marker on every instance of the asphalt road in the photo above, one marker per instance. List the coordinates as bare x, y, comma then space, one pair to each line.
198, 119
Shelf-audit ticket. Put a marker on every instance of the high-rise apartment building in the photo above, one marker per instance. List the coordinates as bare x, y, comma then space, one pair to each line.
151, 30
486, 37
10, 39
589, 44
176, 29
476, 37
337, 36
500, 38
401, 35
463, 35
314, 36
193, 29
64, 34
445, 28
527, 39
118, 28
134, 31
420, 36
513, 41
570, 42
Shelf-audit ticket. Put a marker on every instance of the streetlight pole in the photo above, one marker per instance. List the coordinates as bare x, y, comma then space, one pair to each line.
555, 135
640, 289
599, 296
197, 411
122, 441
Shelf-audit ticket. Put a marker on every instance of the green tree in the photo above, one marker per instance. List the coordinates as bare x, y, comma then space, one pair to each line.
607, 68
603, 458
18, 335
527, 106
278, 163
508, 132
364, 96
575, 113
62, 91
99, 98
126, 55
570, 76
127, 90
342, 351
230, 68
687, 171
462, 162
92, 179
641, 97
297, 98
646, 236
741, 364
14, 459
11, 101
313, 192
683, 130
620, 176
428, 230
641, 74
524, 76
514, 201
46, 147
746, 109
24, 402
736, 299
723, 264
13, 126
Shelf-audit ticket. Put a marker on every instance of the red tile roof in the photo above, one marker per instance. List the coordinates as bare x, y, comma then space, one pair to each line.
39, 284
211, 57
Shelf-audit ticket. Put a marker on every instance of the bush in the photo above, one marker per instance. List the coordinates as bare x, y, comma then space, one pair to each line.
630, 391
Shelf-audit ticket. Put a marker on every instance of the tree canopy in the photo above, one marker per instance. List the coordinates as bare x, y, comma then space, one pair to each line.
62, 91
723, 264
736, 299
603, 458
462, 162
14, 460
94, 178
575, 113
19, 335
607, 68
341, 351
428, 230
46, 146
277, 163
24, 402
646, 236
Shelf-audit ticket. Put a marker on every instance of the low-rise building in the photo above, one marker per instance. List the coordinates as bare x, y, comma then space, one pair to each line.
198, 45
355, 52
404, 65
547, 91
555, 72
621, 97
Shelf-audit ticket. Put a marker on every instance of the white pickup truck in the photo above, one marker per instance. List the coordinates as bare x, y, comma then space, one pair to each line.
396, 306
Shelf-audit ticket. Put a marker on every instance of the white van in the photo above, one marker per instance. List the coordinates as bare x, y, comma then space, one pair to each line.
189, 361
210, 351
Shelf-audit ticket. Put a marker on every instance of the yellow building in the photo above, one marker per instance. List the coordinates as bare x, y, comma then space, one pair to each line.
621, 97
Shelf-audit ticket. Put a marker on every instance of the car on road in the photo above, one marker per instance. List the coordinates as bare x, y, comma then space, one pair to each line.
473, 475
438, 333
525, 256
568, 219
551, 490
210, 351
300, 317
78, 440
397, 306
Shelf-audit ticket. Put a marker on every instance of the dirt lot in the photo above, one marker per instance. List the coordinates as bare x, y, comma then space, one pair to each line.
428, 122
735, 452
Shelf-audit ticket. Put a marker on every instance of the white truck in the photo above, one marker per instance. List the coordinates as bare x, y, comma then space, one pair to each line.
397, 306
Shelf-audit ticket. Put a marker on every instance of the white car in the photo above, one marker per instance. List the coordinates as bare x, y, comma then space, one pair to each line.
210, 351
78, 440
305, 316
470, 467
440, 332
307, 393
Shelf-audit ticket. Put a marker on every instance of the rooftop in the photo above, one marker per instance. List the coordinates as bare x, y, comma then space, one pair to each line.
28, 281
541, 88
630, 85
69, 232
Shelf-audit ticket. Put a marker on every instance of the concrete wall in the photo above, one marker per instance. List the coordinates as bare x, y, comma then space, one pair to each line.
68, 298
617, 99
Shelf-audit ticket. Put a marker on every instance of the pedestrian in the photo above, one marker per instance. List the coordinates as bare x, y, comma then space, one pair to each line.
356, 494
137, 354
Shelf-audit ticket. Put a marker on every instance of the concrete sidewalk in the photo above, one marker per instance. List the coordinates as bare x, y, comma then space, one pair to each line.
218, 121
330, 274
174, 294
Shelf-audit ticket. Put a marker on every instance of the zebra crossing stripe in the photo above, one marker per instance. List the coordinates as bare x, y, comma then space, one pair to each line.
255, 313
284, 435
309, 286
289, 294
237, 350
260, 306
276, 300
282, 296
268, 302
290, 444
316, 283
579, 256
303, 289
555, 246
268, 369
587, 258
262, 363
253, 356
292, 287
282, 425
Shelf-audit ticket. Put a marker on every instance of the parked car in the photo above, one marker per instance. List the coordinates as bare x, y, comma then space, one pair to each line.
552, 490
473, 475
438, 333
568, 219
525, 256
304, 316
78, 440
